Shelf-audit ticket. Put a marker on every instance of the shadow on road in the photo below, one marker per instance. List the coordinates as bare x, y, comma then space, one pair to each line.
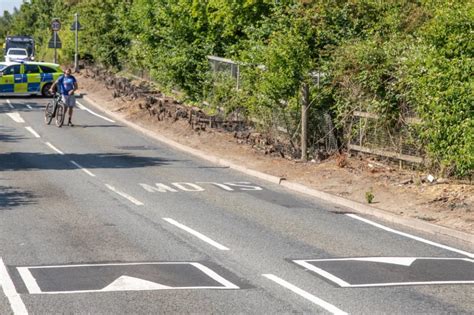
7, 135
11, 197
16, 161
20, 104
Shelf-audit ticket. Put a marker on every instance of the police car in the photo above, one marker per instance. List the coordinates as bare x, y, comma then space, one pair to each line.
28, 77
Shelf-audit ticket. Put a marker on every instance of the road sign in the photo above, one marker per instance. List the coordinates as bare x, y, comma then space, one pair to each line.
55, 43
55, 25
76, 26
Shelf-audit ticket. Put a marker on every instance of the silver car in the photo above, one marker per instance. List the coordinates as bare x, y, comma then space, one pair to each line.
16, 54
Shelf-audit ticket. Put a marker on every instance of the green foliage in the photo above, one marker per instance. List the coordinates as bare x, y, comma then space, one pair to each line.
439, 82
387, 57
369, 196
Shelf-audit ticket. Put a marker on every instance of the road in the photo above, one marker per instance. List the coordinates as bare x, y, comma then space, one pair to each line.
98, 218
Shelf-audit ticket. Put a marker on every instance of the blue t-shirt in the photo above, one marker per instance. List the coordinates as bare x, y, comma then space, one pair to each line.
66, 84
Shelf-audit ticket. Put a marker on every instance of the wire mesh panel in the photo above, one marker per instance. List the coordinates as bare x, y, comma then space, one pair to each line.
366, 134
221, 66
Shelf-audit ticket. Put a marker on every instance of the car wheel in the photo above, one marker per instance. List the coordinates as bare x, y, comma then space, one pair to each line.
45, 91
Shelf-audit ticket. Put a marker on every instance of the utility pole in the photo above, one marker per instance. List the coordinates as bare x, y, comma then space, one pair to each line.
77, 43
304, 121
76, 27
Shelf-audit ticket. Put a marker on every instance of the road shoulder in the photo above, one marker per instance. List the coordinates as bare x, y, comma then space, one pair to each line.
351, 205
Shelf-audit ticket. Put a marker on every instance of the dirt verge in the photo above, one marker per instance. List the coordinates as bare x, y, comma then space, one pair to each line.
402, 192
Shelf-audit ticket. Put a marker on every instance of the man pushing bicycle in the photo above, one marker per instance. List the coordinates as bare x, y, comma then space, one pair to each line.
67, 84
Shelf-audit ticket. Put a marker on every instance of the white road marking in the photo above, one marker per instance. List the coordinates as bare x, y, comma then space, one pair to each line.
29, 280
244, 186
383, 227
327, 306
128, 197
10, 104
225, 187
17, 305
196, 233
323, 273
85, 170
16, 117
159, 188
54, 148
124, 283
94, 113
405, 261
188, 186
388, 284
29, 106
215, 276
33, 132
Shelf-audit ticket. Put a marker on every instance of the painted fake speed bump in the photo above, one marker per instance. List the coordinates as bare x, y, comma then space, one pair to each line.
392, 271
87, 278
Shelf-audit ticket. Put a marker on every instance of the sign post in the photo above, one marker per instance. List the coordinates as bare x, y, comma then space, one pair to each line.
55, 27
76, 27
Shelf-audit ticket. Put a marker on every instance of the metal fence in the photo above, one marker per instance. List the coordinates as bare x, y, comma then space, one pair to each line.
365, 134
225, 66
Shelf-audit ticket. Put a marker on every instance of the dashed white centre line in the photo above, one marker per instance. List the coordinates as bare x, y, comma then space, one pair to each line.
94, 113
383, 227
54, 148
128, 197
17, 305
327, 306
10, 104
196, 233
33, 132
85, 170
16, 117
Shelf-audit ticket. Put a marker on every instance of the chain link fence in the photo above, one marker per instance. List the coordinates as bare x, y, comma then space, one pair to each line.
322, 140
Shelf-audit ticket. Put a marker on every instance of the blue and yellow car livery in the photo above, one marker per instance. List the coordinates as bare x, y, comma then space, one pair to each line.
28, 77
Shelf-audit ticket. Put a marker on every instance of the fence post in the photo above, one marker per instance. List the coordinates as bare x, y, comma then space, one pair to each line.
304, 120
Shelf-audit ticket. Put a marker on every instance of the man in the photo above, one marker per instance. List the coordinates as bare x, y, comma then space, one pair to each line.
67, 84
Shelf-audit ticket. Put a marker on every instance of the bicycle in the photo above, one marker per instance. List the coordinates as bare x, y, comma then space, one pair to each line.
55, 109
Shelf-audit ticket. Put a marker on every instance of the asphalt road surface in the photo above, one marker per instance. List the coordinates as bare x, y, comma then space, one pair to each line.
100, 219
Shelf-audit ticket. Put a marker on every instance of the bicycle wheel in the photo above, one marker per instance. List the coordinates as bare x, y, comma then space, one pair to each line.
48, 112
60, 114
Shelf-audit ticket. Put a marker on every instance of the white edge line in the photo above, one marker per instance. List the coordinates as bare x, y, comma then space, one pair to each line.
33, 132
29, 280
327, 306
212, 274
85, 170
10, 104
94, 113
128, 197
196, 233
383, 227
322, 273
54, 148
16, 303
